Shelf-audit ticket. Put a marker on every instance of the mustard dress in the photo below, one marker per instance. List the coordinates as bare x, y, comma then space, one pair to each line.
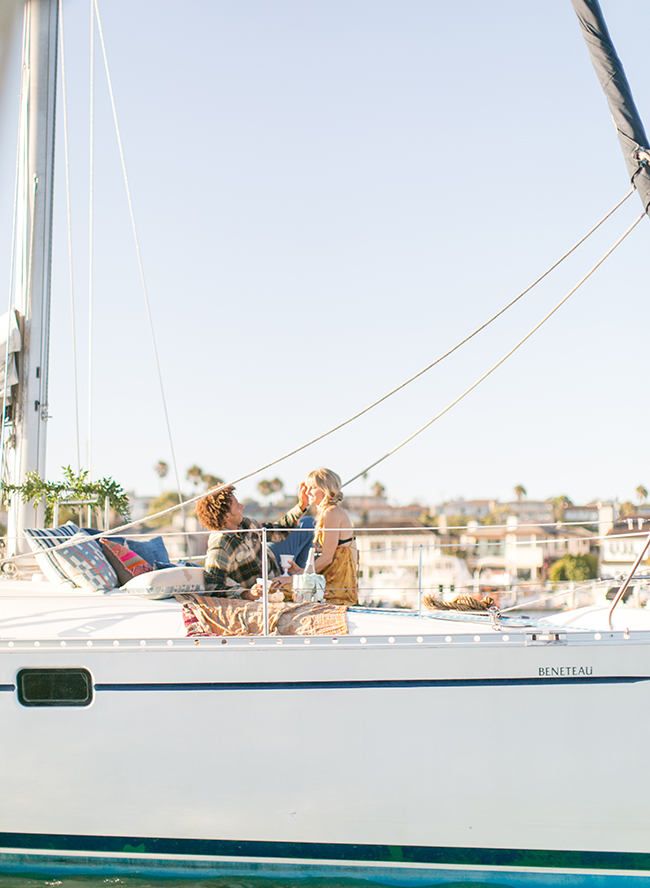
341, 583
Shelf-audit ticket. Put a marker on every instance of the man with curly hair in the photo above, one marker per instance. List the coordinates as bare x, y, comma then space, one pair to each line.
234, 557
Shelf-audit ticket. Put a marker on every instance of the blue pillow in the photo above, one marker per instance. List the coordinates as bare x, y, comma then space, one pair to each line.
150, 550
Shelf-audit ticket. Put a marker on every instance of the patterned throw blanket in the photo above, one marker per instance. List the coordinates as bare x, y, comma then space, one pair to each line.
206, 615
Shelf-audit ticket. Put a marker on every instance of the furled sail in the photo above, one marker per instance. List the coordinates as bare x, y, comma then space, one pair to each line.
10, 330
611, 75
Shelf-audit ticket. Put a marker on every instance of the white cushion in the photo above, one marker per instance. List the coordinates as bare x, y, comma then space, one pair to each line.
166, 582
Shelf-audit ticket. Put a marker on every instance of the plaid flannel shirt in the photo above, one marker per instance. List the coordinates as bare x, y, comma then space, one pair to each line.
234, 559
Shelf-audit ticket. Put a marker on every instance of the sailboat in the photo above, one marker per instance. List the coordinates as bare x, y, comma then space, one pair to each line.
378, 754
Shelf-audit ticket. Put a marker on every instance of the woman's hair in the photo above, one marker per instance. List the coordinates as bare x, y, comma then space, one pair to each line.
330, 482
212, 509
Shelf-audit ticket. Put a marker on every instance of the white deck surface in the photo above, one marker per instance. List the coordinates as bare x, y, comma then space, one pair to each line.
42, 610
37, 610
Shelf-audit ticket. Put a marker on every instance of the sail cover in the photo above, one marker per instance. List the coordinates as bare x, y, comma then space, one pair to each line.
611, 75
9, 330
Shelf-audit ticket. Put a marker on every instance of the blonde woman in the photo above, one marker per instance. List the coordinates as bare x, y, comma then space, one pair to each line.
337, 554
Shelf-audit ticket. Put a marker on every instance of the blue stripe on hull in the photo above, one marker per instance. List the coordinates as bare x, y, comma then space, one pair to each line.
387, 683
337, 873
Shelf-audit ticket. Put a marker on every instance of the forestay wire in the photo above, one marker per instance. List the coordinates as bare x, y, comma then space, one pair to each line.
503, 359
274, 462
69, 212
4, 469
280, 459
416, 375
91, 239
140, 265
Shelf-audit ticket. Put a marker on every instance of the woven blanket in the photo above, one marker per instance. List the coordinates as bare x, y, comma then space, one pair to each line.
206, 615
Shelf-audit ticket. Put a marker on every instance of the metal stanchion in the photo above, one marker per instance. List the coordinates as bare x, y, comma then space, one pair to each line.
265, 585
420, 583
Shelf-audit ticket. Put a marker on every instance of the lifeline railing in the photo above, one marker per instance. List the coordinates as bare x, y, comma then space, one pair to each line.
411, 554
621, 592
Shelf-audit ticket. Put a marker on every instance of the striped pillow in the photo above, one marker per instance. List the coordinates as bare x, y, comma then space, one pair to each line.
81, 563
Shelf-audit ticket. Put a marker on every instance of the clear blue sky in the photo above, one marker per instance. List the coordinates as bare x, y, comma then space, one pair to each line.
328, 196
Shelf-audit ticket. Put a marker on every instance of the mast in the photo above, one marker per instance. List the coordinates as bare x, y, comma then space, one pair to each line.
34, 251
611, 75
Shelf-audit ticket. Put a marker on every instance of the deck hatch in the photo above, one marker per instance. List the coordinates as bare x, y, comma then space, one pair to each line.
54, 687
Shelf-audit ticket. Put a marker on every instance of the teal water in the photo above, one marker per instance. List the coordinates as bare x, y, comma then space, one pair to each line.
11, 881
77, 881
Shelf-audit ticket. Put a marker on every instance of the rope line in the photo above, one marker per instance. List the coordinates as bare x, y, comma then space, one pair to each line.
402, 385
502, 360
462, 342
140, 265
78, 538
425, 369
69, 212
360, 413
91, 220
199, 496
4, 470
274, 462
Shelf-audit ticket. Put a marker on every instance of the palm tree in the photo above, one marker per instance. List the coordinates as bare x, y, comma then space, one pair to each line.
161, 468
378, 489
267, 488
559, 504
520, 492
642, 493
264, 488
195, 474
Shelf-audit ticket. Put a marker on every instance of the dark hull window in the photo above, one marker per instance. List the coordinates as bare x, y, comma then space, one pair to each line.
55, 687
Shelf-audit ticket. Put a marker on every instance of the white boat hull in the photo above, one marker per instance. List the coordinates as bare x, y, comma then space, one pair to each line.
403, 759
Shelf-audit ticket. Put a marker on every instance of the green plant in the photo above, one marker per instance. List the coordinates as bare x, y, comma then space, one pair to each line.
574, 567
73, 487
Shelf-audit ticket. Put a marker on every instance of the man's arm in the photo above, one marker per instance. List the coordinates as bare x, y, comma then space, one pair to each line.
291, 518
294, 515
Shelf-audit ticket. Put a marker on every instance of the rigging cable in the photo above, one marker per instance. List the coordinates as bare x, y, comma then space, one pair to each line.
503, 359
256, 471
12, 267
163, 512
67, 188
91, 213
420, 373
442, 357
141, 267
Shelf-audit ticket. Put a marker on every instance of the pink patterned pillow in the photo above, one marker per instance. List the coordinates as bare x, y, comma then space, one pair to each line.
126, 563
